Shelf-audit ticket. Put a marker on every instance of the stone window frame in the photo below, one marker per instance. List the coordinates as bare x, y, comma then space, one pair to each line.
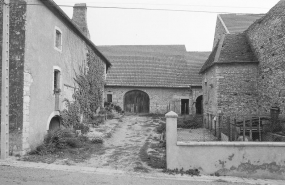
56, 30
56, 68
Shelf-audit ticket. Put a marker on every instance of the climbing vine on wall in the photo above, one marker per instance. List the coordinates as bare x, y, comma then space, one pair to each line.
88, 95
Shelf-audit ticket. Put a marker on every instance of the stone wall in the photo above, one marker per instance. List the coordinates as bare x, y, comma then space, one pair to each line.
237, 89
159, 97
267, 40
230, 89
194, 94
210, 85
16, 65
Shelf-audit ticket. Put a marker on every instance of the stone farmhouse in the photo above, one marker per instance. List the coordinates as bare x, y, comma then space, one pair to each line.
154, 78
244, 73
46, 48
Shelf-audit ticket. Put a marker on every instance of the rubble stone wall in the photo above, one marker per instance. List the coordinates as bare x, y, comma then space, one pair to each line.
267, 38
159, 97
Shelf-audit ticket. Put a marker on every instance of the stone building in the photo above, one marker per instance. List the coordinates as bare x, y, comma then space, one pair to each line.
46, 48
244, 74
154, 78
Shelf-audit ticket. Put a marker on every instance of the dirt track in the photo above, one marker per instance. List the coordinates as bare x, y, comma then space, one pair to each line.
121, 150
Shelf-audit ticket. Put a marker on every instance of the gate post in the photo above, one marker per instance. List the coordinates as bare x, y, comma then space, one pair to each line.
171, 139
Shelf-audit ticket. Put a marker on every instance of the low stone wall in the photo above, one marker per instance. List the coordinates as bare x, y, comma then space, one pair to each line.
242, 159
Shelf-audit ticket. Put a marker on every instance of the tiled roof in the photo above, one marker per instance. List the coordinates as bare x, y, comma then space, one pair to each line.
195, 61
237, 23
148, 66
233, 49
210, 61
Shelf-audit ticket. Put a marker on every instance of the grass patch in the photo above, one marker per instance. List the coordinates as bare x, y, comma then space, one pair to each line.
63, 144
141, 169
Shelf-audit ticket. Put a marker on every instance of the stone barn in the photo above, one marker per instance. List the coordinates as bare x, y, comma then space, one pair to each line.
46, 48
154, 78
244, 74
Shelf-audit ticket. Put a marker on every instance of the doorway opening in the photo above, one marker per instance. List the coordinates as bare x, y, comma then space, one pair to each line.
54, 123
184, 106
199, 105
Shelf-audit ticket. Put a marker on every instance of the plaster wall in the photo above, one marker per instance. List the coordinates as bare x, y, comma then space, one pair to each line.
40, 61
159, 97
242, 159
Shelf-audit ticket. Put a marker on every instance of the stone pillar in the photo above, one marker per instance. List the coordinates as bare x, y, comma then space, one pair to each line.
171, 139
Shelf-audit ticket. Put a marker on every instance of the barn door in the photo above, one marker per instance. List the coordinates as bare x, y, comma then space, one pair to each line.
136, 101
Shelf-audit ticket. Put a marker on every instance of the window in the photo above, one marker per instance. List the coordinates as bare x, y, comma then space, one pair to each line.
109, 98
58, 39
56, 81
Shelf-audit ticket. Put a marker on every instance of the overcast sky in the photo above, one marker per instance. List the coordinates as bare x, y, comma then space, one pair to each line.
194, 29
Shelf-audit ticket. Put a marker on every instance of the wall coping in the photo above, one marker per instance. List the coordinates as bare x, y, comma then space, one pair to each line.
171, 114
232, 144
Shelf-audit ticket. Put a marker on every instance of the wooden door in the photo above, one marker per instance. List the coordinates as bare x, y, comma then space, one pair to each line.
136, 101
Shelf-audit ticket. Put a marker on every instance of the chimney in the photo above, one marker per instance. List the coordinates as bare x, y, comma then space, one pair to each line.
80, 18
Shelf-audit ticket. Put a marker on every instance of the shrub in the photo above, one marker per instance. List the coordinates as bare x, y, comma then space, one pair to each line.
56, 140
110, 115
161, 128
71, 115
118, 108
110, 106
83, 138
84, 129
97, 140
73, 142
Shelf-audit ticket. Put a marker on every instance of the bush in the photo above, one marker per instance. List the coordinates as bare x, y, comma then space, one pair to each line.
118, 108
56, 140
73, 142
84, 129
110, 115
97, 140
110, 106
71, 115
192, 124
161, 128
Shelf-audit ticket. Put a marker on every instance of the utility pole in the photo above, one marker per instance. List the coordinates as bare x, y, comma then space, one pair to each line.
5, 82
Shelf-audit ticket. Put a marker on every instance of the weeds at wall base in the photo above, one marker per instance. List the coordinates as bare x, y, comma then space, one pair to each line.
191, 172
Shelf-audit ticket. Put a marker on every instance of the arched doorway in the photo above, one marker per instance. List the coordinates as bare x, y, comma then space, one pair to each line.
199, 105
136, 101
54, 123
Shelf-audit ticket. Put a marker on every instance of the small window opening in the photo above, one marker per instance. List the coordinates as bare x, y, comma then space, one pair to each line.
58, 39
56, 83
109, 98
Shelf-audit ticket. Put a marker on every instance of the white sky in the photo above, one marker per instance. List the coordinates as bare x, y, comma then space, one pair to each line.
144, 27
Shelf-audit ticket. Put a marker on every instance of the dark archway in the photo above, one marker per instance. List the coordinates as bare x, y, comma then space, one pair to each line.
199, 105
54, 123
136, 101
184, 106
